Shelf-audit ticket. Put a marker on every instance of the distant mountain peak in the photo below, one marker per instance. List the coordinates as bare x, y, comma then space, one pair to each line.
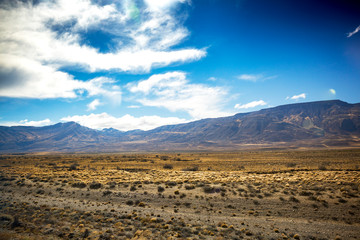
325, 103
71, 123
66, 124
315, 124
109, 129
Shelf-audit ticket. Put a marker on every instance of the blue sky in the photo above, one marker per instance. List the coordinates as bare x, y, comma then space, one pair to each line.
142, 64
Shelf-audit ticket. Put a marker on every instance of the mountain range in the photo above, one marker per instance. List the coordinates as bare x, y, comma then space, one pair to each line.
314, 124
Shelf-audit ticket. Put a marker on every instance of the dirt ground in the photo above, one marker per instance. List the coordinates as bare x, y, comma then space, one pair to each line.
308, 194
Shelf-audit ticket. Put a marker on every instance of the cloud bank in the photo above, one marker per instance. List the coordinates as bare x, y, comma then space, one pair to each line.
26, 122
124, 123
173, 91
39, 40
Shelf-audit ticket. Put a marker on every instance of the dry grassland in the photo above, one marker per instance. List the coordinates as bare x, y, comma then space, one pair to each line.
237, 195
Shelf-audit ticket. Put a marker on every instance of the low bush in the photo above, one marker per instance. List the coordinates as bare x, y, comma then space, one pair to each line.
208, 189
168, 166
193, 168
171, 183
79, 185
129, 202
107, 193
95, 185
73, 167
291, 164
189, 187
160, 189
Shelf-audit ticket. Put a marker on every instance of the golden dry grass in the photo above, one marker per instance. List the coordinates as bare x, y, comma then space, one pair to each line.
198, 195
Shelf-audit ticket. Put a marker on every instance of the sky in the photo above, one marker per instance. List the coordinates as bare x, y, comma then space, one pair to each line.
140, 64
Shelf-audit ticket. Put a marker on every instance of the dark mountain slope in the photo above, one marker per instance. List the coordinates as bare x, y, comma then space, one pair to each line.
303, 124
279, 124
58, 137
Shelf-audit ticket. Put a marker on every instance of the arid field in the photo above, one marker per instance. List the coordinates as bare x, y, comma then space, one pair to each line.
279, 194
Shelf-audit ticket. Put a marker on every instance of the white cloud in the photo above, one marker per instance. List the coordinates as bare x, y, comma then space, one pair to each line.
93, 105
124, 123
133, 106
173, 91
354, 32
25, 78
297, 97
104, 86
250, 77
161, 5
250, 104
38, 40
26, 122
22, 77
160, 81
255, 77
332, 91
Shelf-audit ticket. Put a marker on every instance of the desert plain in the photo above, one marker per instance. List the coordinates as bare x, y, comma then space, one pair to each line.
250, 194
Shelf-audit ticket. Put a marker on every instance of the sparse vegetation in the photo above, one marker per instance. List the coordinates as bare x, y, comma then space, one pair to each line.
139, 196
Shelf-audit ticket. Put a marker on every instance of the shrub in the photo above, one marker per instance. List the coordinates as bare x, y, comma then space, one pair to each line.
40, 191
291, 164
112, 184
95, 185
160, 189
79, 185
187, 204
294, 199
73, 166
129, 202
107, 193
193, 168
305, 193
168, 166
171, 183
189, 187
322, 167
341, 200
208, 189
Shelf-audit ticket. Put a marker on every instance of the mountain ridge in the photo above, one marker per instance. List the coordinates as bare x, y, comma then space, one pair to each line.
321, 123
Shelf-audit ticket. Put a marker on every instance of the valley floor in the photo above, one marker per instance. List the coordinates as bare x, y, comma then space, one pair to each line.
238, 195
